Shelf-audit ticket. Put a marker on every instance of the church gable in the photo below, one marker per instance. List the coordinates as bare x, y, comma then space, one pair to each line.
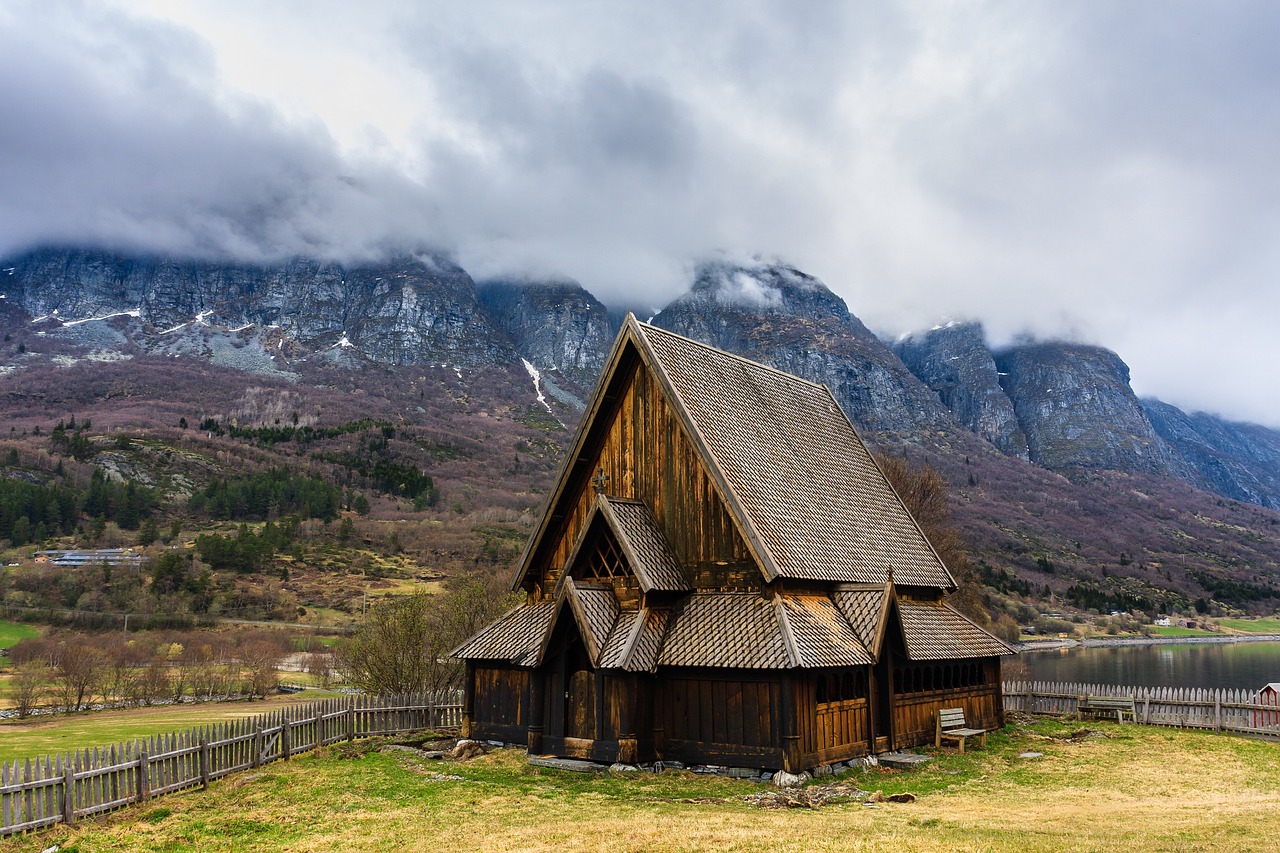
634, 448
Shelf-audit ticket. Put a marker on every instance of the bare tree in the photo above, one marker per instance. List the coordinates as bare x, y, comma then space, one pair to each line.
319, 665
403, 645
924, 492
28, 685
80, 668
261, 656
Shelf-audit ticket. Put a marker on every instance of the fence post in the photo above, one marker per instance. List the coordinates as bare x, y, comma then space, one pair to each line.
256, 758
69, 795
351, 719
1217, 711
285, 746
144, 774
204, 762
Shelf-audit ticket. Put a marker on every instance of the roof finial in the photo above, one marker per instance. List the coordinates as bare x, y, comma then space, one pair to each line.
891, 574
599, 480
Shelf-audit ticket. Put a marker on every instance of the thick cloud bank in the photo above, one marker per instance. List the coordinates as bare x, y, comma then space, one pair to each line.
1102, 171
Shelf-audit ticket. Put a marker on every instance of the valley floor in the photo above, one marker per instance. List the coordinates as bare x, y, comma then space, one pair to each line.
1109, 787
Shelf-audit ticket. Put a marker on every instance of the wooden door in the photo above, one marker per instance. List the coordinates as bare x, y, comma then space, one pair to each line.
580, 705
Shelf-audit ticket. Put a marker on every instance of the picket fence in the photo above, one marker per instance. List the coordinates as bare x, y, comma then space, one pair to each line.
1220, 710
66, 788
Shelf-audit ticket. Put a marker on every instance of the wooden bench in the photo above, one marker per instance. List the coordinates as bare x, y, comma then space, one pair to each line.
952, 726
1108, 705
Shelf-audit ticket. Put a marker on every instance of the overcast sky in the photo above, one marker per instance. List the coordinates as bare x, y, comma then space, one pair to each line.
1103, 171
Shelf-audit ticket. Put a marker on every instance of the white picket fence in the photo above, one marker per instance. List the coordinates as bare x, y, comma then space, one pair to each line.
1219, 710
66, 788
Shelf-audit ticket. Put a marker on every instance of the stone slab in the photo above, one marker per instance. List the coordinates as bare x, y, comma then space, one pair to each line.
575, 764
903, 760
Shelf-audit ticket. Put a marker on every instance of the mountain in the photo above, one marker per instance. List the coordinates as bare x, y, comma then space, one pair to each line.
954, 361
410, 310
557, 326
1076, 408
782, 317
376, 375
1237, 461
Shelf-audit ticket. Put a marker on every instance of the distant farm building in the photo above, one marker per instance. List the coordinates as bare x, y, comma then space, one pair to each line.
723, 575
92, 557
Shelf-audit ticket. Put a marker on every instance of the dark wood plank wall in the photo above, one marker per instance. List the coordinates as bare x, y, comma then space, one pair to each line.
501, 704
720, 717
647, 456
915, 714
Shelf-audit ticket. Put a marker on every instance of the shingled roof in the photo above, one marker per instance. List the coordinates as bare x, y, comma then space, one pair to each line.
935, 631
802, 487
804, 484
516, 637
735, 630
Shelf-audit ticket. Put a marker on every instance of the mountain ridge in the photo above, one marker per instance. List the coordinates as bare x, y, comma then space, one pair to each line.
1092, 493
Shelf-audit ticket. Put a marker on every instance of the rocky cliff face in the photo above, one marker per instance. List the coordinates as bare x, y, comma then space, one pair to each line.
1239, 461
1076, 408
955, 362
421, 309
557, 326
782, 317
1063, 406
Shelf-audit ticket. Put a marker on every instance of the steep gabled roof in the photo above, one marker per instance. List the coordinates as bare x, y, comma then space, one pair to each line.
804, 484
819, 633
865, 611
592, 606
644, 545
803, 490
636, 641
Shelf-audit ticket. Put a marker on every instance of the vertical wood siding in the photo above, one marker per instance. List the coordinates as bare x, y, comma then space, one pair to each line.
648, 456
501, 710
915, 714
721, 718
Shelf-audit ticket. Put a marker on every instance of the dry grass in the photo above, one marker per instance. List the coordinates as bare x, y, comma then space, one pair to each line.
1133, 788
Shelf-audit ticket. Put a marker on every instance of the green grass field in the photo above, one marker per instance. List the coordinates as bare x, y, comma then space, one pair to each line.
1114, 788
1173, 631
1269, 625
13, 632
65, 733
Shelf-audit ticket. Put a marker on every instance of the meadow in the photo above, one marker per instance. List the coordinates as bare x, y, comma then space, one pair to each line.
1105, 787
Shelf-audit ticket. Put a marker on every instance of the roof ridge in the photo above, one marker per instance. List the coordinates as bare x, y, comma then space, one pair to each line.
629, 647
733, 356
788, 634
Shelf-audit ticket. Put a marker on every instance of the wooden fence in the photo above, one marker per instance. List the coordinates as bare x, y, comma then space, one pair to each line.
66, 788
1219, 710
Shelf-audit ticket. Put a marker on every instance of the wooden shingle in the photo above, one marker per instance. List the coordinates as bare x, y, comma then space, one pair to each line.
820, 634
808, 491
642, 541
936, 631
729, 630
516, 637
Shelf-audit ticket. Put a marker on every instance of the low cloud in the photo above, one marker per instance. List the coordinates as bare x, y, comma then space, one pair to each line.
1104, 171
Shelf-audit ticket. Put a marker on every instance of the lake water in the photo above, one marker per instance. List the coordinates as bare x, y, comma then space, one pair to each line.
1242, 665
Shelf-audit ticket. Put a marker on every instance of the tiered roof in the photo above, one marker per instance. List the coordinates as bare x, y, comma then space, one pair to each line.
812, 505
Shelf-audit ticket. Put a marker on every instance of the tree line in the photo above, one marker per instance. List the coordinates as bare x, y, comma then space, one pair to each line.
72, 670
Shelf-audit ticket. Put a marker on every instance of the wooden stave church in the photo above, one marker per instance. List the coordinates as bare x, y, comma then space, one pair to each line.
708, 614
